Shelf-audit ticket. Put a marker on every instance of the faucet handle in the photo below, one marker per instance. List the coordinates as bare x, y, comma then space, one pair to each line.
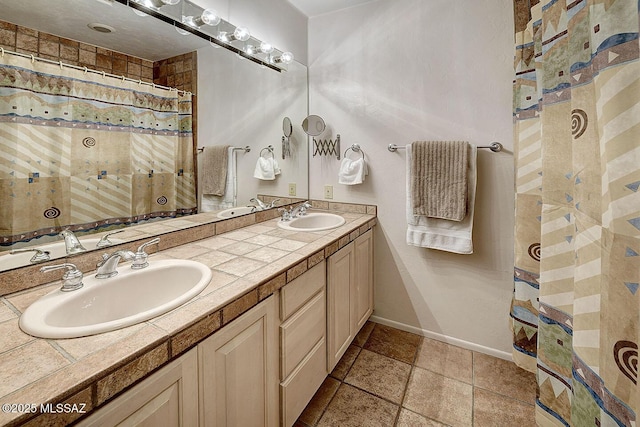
273, 203
286, 214
72, 277
39, 256
140, 259
104, 241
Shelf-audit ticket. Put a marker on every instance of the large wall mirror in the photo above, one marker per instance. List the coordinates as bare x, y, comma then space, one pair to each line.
238, 103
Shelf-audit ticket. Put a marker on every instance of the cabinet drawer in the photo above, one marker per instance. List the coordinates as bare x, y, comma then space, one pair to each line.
300, 290
296, 392
301, 333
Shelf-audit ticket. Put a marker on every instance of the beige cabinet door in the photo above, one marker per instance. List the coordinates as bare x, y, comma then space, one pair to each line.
349, 295
340, 319
167, 398
363, 279
238, 369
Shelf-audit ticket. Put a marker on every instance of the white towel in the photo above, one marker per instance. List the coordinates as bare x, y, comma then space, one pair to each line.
442, 234
352, 171
212, 203
266, 168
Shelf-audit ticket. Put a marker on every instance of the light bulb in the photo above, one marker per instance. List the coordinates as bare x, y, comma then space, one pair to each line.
266, 47
285, 58
242, 34
210, 17
147, 3
223, 36
157, 4
190, 21
250, 49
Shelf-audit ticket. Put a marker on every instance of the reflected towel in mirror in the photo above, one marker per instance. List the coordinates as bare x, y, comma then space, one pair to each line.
209, 202
214, 169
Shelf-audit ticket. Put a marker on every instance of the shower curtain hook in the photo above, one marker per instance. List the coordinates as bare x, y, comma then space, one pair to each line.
123, 78
85, 70
139, 82
2, 51
60, 63
104, 74
33, 59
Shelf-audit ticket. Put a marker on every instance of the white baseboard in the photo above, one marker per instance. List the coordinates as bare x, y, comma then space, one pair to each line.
444, 338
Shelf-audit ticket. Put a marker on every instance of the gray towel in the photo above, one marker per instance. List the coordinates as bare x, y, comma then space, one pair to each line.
214, 169
439, 185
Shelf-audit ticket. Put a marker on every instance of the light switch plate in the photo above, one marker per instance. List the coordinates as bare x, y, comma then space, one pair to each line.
292, 188
328, 191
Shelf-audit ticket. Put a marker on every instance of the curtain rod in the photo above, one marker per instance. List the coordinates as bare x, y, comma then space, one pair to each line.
89, 70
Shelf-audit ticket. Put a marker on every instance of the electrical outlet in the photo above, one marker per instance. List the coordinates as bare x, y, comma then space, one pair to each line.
328, 191
292, 188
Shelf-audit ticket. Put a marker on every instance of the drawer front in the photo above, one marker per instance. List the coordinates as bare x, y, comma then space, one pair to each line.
299, 388
300, 290
301, 333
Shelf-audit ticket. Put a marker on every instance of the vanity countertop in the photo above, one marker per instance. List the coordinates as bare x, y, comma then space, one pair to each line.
248, 264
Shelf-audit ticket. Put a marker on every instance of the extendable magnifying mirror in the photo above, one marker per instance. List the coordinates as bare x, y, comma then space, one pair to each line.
313, 125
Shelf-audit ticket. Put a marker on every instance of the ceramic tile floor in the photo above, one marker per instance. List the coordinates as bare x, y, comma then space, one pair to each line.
390, 377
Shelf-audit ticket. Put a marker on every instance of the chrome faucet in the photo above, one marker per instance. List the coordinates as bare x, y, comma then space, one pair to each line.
72, 277
259, 204
292, 213
140, 257
104, 240
39, 256
71, 242
107, 267
300, 210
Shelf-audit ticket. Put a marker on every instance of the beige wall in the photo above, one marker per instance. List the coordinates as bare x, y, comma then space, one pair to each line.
395, 71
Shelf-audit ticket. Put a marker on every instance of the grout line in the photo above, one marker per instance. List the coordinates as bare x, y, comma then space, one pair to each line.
473, 386
406, 386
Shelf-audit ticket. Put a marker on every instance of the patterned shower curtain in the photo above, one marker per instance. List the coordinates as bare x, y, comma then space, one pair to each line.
83, 151
576, 304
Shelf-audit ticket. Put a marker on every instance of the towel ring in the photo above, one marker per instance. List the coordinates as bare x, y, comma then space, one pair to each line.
356, 148
269, 149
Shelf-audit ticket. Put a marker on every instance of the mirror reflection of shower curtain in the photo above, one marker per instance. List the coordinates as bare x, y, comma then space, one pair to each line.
85, 151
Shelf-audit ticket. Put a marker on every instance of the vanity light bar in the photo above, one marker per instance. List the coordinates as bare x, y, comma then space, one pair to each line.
196, 32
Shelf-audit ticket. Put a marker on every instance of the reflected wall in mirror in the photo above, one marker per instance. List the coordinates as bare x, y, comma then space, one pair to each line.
227, 113
244, 105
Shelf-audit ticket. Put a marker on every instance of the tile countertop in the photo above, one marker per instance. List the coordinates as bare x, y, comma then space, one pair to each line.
248, 264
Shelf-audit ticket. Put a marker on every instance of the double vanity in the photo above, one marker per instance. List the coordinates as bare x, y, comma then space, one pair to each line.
265, 309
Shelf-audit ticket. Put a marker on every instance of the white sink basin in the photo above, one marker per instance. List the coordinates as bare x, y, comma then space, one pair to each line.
102, 305
232, 212
315, 221
55, 249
